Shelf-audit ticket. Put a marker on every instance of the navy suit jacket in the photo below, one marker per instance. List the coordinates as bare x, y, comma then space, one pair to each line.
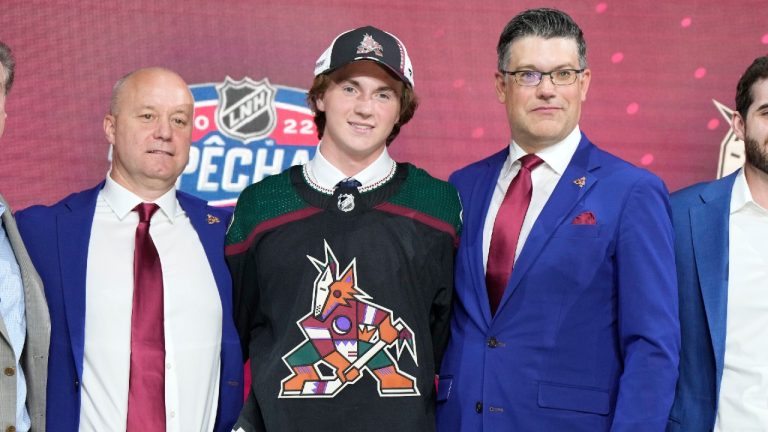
586, 336
701, 215
57, 238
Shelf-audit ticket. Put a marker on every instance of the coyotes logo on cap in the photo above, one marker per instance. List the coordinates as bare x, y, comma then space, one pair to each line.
368, 44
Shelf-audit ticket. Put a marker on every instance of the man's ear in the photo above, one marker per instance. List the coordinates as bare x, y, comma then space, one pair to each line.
739, 125
109, 128
320, 103
586, 78
501, 84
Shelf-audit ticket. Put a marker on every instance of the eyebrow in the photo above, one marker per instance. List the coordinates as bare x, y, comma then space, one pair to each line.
558, 67
180, 109
762, 107
380, 88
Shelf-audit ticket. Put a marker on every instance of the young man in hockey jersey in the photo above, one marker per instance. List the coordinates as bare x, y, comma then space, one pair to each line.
343, 267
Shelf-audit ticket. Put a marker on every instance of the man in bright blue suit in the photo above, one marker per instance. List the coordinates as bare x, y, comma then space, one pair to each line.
721, 246
88, 249
584, 333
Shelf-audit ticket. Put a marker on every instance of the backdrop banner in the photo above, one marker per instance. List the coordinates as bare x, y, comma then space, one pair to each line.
663, 83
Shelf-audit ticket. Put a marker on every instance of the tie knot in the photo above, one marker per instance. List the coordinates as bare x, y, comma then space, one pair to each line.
146, 210
348, 183
530, 161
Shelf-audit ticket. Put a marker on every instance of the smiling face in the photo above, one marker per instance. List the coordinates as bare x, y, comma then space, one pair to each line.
361, 106
543, 115
150, 130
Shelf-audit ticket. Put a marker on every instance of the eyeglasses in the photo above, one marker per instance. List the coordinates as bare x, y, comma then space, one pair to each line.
530, 78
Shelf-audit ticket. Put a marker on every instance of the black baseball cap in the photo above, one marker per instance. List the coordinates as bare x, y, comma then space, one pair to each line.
367, 43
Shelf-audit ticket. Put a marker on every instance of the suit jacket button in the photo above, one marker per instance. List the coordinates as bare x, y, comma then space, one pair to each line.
9, 371
11, 429
479, 407
492, 342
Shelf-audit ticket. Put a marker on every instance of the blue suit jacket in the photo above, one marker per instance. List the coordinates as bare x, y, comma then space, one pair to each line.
586, 337
701, 216
57, 238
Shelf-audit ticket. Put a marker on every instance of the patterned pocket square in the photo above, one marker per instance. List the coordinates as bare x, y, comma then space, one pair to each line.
586, 218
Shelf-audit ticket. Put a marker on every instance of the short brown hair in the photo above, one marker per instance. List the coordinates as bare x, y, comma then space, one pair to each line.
408, 104
9, 64
757, 71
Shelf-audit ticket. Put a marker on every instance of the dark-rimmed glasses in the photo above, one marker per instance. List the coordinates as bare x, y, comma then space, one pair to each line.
531, 78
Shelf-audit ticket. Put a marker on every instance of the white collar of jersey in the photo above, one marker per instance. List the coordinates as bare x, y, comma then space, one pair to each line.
323, 176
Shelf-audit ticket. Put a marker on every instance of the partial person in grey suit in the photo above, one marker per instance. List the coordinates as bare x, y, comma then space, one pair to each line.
25, 327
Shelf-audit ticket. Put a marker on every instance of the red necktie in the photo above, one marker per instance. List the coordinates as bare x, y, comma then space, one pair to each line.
146, 388
506, 231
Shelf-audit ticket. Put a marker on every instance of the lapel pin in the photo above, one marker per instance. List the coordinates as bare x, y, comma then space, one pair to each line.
212, 219
580, 182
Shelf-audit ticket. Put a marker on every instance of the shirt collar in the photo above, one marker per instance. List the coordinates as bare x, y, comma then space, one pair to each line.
2, 208
556, 156
327, 176
122, 201
741, 197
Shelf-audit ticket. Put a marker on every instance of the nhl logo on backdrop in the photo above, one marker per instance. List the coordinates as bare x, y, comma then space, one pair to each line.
242, 132
246, 109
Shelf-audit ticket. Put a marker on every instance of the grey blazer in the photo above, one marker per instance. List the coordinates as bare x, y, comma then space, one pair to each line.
34, 357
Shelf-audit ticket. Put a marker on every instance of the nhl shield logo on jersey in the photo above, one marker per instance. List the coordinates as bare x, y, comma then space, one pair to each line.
346, 334
247, 109
346, 202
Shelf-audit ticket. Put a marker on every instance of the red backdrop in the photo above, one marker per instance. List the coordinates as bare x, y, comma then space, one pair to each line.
658, 68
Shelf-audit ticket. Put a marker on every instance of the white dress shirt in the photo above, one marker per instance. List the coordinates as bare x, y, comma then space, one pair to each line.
192, 308
544, 179
323, 176
743, 400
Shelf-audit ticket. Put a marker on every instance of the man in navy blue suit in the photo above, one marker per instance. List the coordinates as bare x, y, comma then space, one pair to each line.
565, 314
721, 246
93, 254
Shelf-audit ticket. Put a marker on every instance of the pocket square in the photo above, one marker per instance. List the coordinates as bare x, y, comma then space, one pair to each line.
586, 218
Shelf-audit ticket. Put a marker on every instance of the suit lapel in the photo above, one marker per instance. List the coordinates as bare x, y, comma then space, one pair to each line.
564, 197
35, 306
6, 218
210, 230
74, 234
196, 213
710, 249
482, 192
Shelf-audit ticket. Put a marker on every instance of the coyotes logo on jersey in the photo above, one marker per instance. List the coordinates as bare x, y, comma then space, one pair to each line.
349, 334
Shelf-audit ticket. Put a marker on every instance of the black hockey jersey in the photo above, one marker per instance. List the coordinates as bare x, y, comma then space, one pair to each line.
342, 300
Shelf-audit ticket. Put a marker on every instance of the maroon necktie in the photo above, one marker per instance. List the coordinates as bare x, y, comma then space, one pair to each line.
506, 231
146, 388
